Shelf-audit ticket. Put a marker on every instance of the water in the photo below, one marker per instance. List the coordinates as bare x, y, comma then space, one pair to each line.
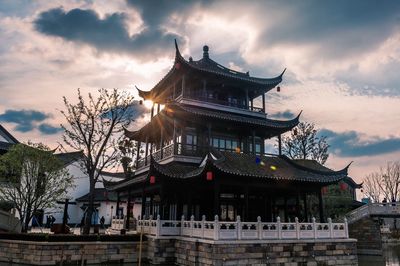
391, 257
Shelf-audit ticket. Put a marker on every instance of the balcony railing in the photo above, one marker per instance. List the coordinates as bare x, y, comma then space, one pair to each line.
169, 151
238, 230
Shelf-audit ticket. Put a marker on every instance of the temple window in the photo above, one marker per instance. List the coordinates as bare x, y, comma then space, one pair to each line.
224, 143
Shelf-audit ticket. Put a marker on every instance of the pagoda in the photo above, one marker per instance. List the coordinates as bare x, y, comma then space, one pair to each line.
203, 151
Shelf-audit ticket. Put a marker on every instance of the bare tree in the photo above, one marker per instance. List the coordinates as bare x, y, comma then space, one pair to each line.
372, 187
32, 179
385, 182
303, 143
95, 127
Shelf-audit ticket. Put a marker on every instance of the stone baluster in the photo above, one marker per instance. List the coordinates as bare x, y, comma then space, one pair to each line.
346, 228
191, 225
314, 227
158, 226
216, 228
330, 228
238, 227
182, 224
278, 222
297, 227
203, 220
259, 227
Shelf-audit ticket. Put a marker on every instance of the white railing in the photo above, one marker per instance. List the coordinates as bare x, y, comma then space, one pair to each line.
117, 223
389, 208
238, 230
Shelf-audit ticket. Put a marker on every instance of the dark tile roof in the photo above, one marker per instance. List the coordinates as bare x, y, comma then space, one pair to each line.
7, 134
163, 117
5, 146
100, 194
207, 65
238, 118
272, 167
278, 168
69, 157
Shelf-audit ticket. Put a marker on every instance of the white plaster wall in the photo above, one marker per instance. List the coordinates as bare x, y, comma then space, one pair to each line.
79, 189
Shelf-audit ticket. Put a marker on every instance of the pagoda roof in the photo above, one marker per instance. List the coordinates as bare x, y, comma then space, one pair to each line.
268, 168
174, 108
208, 66
70, 157
100, 194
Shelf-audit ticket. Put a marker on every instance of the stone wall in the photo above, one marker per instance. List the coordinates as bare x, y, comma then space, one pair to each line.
52, 253
368, 234
184, 251
190, 251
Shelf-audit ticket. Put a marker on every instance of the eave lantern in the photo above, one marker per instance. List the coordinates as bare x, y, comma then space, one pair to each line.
209, 176
343, 186
152, 179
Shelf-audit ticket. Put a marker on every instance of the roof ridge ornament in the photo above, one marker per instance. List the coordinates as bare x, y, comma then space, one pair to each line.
205, 52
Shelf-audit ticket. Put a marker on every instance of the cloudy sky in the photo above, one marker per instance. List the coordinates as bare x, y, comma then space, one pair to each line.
342, 59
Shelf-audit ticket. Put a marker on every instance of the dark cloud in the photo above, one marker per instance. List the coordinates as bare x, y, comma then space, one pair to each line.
287, 114
348, 144
23, 118
108, 34
26, 120
339, 28
155, 12
49, 129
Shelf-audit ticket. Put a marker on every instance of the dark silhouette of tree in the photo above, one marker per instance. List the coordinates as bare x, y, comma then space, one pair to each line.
303, 143
95, 126
32, 179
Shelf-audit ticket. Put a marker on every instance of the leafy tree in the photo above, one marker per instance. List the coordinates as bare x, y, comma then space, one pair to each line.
95, 127
33, 179
303, 143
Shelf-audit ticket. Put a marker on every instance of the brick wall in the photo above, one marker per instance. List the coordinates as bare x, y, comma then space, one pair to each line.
189, 251
185, 251
368, 235
48, 253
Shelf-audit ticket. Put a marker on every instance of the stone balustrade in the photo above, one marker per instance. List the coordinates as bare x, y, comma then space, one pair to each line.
238, 230
375, 209
117, 223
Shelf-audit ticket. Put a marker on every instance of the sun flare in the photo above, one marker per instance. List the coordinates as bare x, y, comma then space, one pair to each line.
148, 104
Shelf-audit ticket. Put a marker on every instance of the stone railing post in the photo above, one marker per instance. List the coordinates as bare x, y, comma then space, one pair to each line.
330, 228
297, 227
278, 222
259, 227
238, 227
158, 226
203, 220
182, 223
314, 227
216, 228
346, 228
191, 225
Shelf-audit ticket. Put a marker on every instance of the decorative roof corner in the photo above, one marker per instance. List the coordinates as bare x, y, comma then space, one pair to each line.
283, 72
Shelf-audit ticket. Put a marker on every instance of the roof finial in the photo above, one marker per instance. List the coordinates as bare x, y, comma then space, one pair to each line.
205, 52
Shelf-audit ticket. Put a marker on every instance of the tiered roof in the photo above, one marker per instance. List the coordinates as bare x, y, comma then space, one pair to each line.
266, 126
208, 66
239, 165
